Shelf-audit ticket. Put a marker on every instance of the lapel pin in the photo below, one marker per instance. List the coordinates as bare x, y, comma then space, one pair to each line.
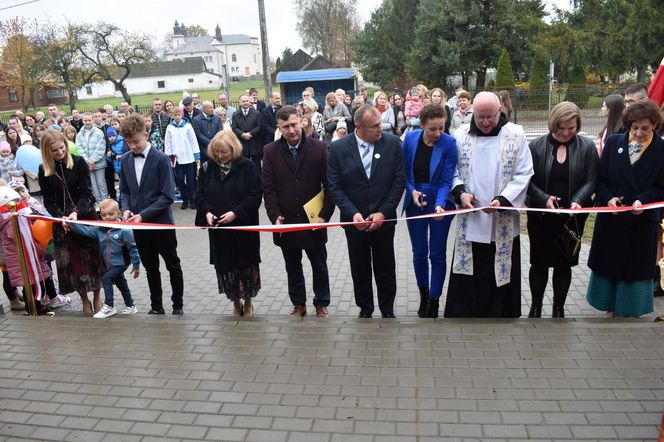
377, 156
620, 150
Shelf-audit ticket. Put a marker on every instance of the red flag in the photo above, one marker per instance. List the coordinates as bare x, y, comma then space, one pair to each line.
656, 88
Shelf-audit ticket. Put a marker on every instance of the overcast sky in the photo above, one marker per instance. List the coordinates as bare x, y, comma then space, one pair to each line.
157, 17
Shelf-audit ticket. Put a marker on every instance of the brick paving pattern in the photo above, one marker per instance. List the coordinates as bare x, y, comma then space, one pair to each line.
206, 376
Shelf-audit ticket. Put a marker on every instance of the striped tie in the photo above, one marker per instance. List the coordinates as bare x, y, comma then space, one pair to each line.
366, 159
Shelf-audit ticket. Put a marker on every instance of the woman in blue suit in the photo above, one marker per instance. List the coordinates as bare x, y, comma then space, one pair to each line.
431, 157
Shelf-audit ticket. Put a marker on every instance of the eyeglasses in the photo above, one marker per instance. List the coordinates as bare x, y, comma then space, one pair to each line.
486, 117
631, 101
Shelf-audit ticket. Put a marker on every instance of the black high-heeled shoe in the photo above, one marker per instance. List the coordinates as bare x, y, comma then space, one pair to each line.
558, 311
535, 311
424, 302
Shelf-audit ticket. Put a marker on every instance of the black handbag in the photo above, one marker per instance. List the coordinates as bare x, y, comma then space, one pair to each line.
568, 241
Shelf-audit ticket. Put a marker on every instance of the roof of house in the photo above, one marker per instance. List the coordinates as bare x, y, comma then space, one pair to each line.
203, 44
190, 65
316, 75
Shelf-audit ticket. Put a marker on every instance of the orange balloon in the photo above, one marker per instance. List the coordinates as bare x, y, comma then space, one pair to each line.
42, 232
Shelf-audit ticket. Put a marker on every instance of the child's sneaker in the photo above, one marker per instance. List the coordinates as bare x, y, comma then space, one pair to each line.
105, 312
129, 310
59, 301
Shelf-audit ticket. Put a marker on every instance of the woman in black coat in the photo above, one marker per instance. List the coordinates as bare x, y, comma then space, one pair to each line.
229, 194
624, 245
566, 168
65, 184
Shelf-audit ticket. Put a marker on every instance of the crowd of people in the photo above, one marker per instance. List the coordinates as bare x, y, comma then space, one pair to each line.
359, 155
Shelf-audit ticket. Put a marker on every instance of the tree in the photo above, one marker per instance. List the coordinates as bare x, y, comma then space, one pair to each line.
58, 48
21, 67
286, 54
109, 53
327, 26
577, 91
504, 73
381, 47
538, 91
277, 63
459, 37
610, 37
196, 31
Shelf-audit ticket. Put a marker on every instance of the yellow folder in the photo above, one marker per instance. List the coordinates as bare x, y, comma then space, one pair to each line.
313, 207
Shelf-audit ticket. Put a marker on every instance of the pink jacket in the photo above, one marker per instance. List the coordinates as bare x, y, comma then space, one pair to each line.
11, 256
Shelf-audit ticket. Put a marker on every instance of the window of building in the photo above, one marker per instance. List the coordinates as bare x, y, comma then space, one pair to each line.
190, 80
247, 71
211, 69
234, 57
161, 84
13, 96
88, 90
55, 93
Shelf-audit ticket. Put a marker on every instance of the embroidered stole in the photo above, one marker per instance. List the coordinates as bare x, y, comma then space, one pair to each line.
510, 147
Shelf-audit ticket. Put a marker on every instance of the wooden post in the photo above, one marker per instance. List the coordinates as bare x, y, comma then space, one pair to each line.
27, 286
267, 75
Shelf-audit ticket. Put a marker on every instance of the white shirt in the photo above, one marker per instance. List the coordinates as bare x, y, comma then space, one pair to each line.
360, 142
139, 162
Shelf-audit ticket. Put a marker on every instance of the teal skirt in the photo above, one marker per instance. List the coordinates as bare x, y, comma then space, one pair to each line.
626, 299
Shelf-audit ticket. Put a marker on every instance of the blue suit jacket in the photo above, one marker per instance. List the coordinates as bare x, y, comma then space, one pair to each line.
441, 169
349, 186
153, 196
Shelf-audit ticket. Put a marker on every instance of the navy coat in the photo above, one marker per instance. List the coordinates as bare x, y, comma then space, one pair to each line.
153, 196
624, 246
349, 186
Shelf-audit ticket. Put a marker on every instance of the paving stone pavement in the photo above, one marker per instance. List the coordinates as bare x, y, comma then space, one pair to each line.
206, 376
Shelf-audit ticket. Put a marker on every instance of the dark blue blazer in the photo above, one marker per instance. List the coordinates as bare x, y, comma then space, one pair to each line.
153, 196
441, 168
349, 186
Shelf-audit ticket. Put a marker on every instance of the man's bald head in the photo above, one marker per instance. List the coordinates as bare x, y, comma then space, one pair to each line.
486, 111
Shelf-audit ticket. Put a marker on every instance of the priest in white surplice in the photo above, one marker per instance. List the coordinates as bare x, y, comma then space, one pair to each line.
493, 169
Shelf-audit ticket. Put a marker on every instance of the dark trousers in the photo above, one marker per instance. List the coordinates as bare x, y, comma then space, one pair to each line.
256, 159
109, 176
7, 286
185, 178
151, 244
296, 288
115, 275
377, 248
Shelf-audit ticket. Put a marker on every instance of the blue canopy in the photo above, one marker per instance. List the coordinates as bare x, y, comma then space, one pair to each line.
316, 75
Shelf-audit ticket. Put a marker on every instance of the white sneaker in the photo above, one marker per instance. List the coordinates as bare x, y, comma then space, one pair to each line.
59, 301
129, 310
105, 312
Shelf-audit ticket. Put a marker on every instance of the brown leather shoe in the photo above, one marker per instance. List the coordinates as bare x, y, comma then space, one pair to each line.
298, 311
321, 312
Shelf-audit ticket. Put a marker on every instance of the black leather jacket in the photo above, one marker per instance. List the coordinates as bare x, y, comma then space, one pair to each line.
583, 171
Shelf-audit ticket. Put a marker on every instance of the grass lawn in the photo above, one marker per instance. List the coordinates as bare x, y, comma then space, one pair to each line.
236, 89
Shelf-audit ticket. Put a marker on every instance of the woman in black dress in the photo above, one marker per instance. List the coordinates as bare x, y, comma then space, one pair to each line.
566, 169
229, 194
65, 183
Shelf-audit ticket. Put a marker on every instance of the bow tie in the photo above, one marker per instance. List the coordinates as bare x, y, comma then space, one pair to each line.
138, 155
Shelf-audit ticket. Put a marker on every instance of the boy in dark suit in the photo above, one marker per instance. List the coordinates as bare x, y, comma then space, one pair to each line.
148, 190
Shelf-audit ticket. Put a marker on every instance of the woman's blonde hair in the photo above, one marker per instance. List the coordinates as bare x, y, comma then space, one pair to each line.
564, 111
378, 94
225, 138
50, 137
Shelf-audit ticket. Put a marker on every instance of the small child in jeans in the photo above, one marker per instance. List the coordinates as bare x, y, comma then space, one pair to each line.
115, 244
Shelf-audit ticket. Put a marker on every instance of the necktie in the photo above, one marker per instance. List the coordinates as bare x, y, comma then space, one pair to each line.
246, 112
293, 151
138, 155
366, 159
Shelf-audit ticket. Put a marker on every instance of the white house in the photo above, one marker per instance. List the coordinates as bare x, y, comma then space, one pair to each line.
232, 55
163, 76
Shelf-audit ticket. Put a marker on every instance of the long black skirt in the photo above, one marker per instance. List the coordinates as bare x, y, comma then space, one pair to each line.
476, 296
542, 232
